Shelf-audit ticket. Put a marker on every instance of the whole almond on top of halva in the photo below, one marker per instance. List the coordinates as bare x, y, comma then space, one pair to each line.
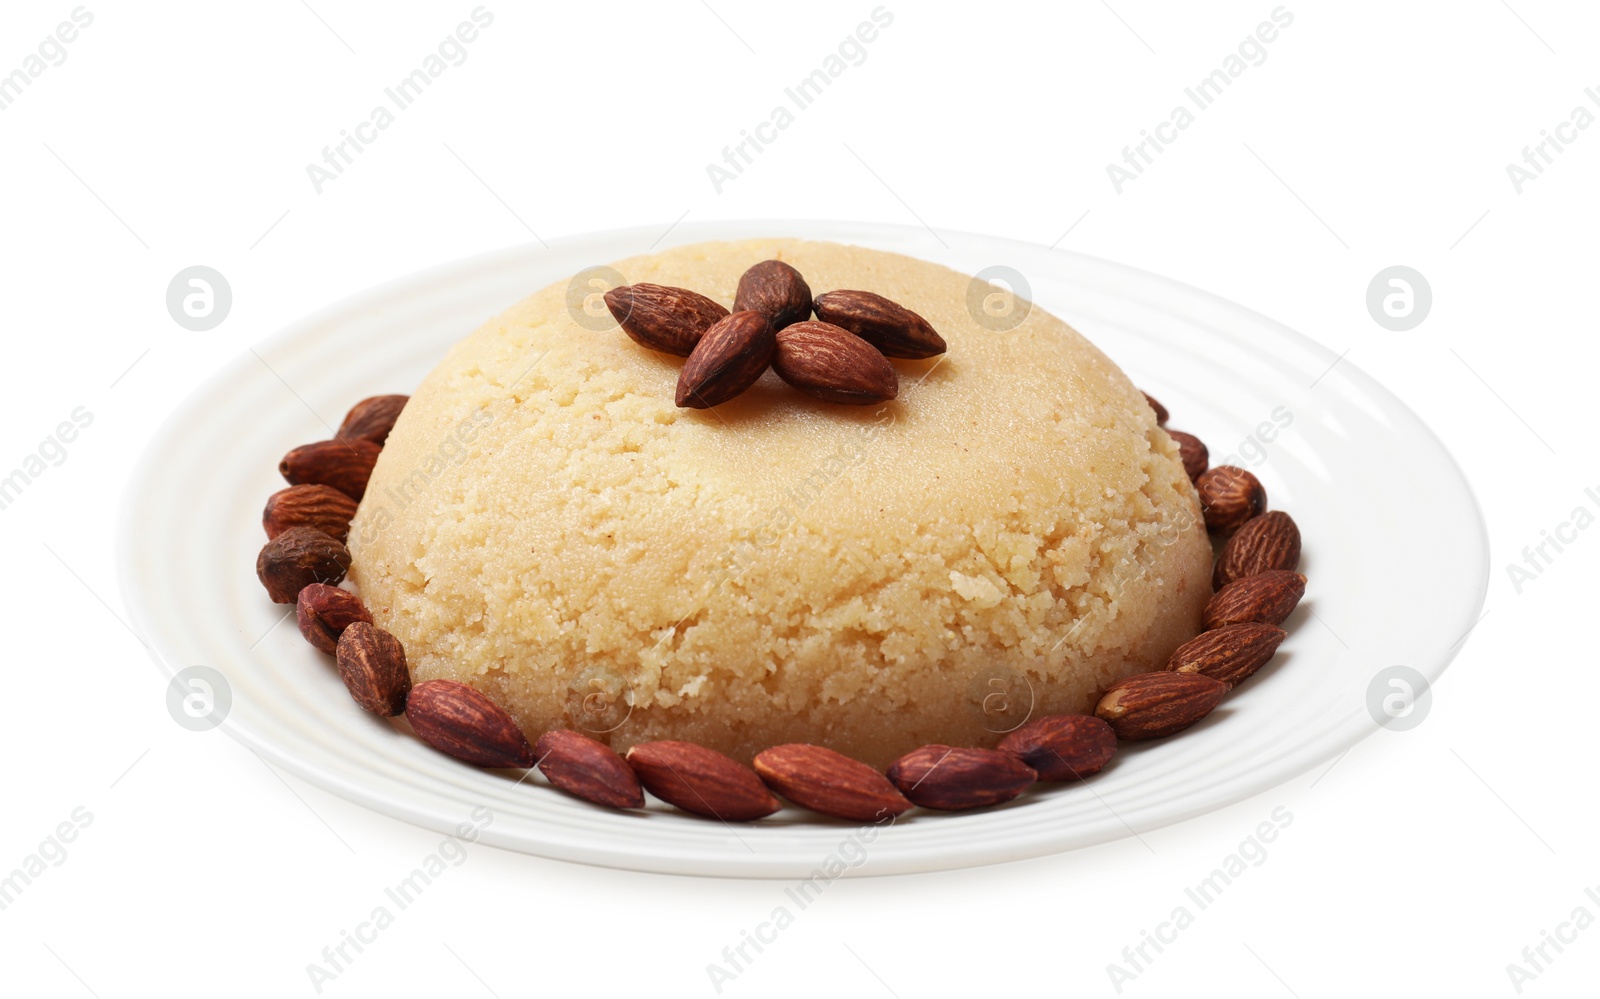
777, 291
830, 363
889, 326
729, 358
663, 318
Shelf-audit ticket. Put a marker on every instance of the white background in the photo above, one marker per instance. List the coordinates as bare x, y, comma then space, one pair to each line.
1422, 863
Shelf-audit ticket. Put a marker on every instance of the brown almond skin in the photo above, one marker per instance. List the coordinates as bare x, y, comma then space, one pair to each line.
372, 664
830, 363
346, 465
1265, 598
662, 318
372, 419
701, 781
1160, 410
1229, 496
1063, 747
1196, 456
1153, 705
458, 721
322, 507
729, 358
298, 557
1231, 653
1265, 543
951, 779
829, 782
775, 290
889, 326
588, 769
323, 613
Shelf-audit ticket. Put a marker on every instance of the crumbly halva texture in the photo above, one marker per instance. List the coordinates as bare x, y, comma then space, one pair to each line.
1013, 533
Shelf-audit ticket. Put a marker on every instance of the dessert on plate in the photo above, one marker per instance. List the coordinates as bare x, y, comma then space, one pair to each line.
1005, 533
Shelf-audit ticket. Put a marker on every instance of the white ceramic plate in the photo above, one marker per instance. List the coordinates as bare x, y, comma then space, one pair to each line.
191, 531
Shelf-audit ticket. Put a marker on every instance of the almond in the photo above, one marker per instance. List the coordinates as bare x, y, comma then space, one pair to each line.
1229, 496
889, 326
825, 781
322, 507
343, 464
1265, 543
1231, 653
588, 769
729, 358
323, 613
1266, 597
458, 721
775, 290
1152, 705
951, 778
701, 781
372, 664
372, 419
1063, 747
670, 320
1160, 410
298, 557
1193, 451
834, 364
